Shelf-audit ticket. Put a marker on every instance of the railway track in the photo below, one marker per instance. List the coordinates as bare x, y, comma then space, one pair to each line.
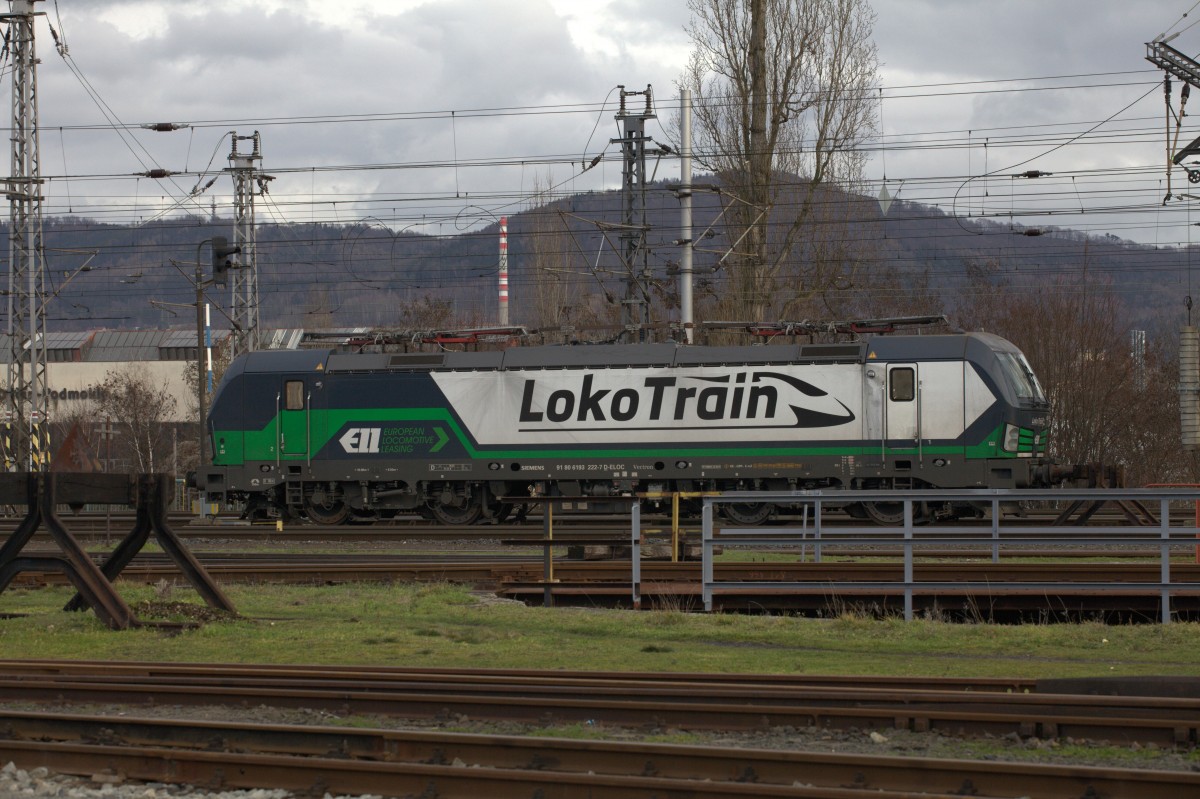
1125, 588
447, 765
223, 754
570, 537
527, 568
723, 702
97, 524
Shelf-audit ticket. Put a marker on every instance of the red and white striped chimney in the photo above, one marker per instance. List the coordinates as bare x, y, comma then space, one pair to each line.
503, 271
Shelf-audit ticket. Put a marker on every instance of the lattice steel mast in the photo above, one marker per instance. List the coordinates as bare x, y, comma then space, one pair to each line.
248, 181
635, 308
26, 441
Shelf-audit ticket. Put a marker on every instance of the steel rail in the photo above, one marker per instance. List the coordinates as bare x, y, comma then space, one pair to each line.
1005, 587
97, 525
694, 681
306, 568
1165, 721
317, 776
434, 763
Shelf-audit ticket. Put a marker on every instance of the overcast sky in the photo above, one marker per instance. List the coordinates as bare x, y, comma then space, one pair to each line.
455, 86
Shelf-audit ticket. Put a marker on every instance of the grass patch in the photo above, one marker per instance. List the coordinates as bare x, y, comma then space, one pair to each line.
1055, 751
585, 731
448, 626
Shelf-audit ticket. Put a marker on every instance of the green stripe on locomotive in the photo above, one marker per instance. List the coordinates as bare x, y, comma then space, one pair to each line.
237, 447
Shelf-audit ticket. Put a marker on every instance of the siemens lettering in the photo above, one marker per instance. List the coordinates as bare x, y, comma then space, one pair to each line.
744, 396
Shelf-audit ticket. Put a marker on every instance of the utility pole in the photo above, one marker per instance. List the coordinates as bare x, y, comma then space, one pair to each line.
686, 320
758, 163
635, 308
1173, 62
243, 289
201, 392
221, 251
26, 440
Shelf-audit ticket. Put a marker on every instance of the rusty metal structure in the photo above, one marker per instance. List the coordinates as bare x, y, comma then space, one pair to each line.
149, 494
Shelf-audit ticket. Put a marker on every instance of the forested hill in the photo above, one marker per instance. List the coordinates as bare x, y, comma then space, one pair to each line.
320, 275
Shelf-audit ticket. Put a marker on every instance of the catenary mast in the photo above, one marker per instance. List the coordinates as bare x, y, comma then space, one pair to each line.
26, 437
635, 308
248, 180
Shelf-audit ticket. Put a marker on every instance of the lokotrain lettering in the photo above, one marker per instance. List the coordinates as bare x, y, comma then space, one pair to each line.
662, 398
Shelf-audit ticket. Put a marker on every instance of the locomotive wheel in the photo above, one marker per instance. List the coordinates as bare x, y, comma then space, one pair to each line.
327, 510
891, 514
748, 514
467, 513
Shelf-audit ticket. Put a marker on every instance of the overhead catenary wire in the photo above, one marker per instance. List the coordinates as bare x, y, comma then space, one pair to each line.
523, 161
351, 206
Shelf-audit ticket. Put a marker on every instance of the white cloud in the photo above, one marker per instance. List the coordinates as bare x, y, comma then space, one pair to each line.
239, 64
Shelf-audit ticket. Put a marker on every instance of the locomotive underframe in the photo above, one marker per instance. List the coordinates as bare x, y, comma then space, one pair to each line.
340, 491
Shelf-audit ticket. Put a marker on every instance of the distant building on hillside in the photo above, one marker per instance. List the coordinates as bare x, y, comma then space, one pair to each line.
78, 362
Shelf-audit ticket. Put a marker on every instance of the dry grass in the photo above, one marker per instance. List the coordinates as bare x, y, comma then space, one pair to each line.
448, 626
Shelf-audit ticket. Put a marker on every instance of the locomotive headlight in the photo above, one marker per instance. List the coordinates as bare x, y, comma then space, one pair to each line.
1012, 438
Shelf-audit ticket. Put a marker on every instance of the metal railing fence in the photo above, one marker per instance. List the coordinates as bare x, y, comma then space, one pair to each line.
1174, 527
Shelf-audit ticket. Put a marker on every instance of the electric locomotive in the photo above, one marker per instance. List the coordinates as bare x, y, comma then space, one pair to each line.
462, 436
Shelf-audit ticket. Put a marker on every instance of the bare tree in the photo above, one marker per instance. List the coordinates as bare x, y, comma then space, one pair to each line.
74, 438
1152, 448
1106, 407
783, 95
131, 399
426, 313
546, 262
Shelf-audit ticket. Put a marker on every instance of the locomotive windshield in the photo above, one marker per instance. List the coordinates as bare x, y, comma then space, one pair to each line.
1020, 376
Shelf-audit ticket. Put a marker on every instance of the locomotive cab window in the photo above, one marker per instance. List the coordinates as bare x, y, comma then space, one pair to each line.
294, 395
1020, 376
902, 384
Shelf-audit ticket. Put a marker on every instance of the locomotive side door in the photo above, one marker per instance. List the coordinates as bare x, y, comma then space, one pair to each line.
874, 388
902, 408
295, 416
